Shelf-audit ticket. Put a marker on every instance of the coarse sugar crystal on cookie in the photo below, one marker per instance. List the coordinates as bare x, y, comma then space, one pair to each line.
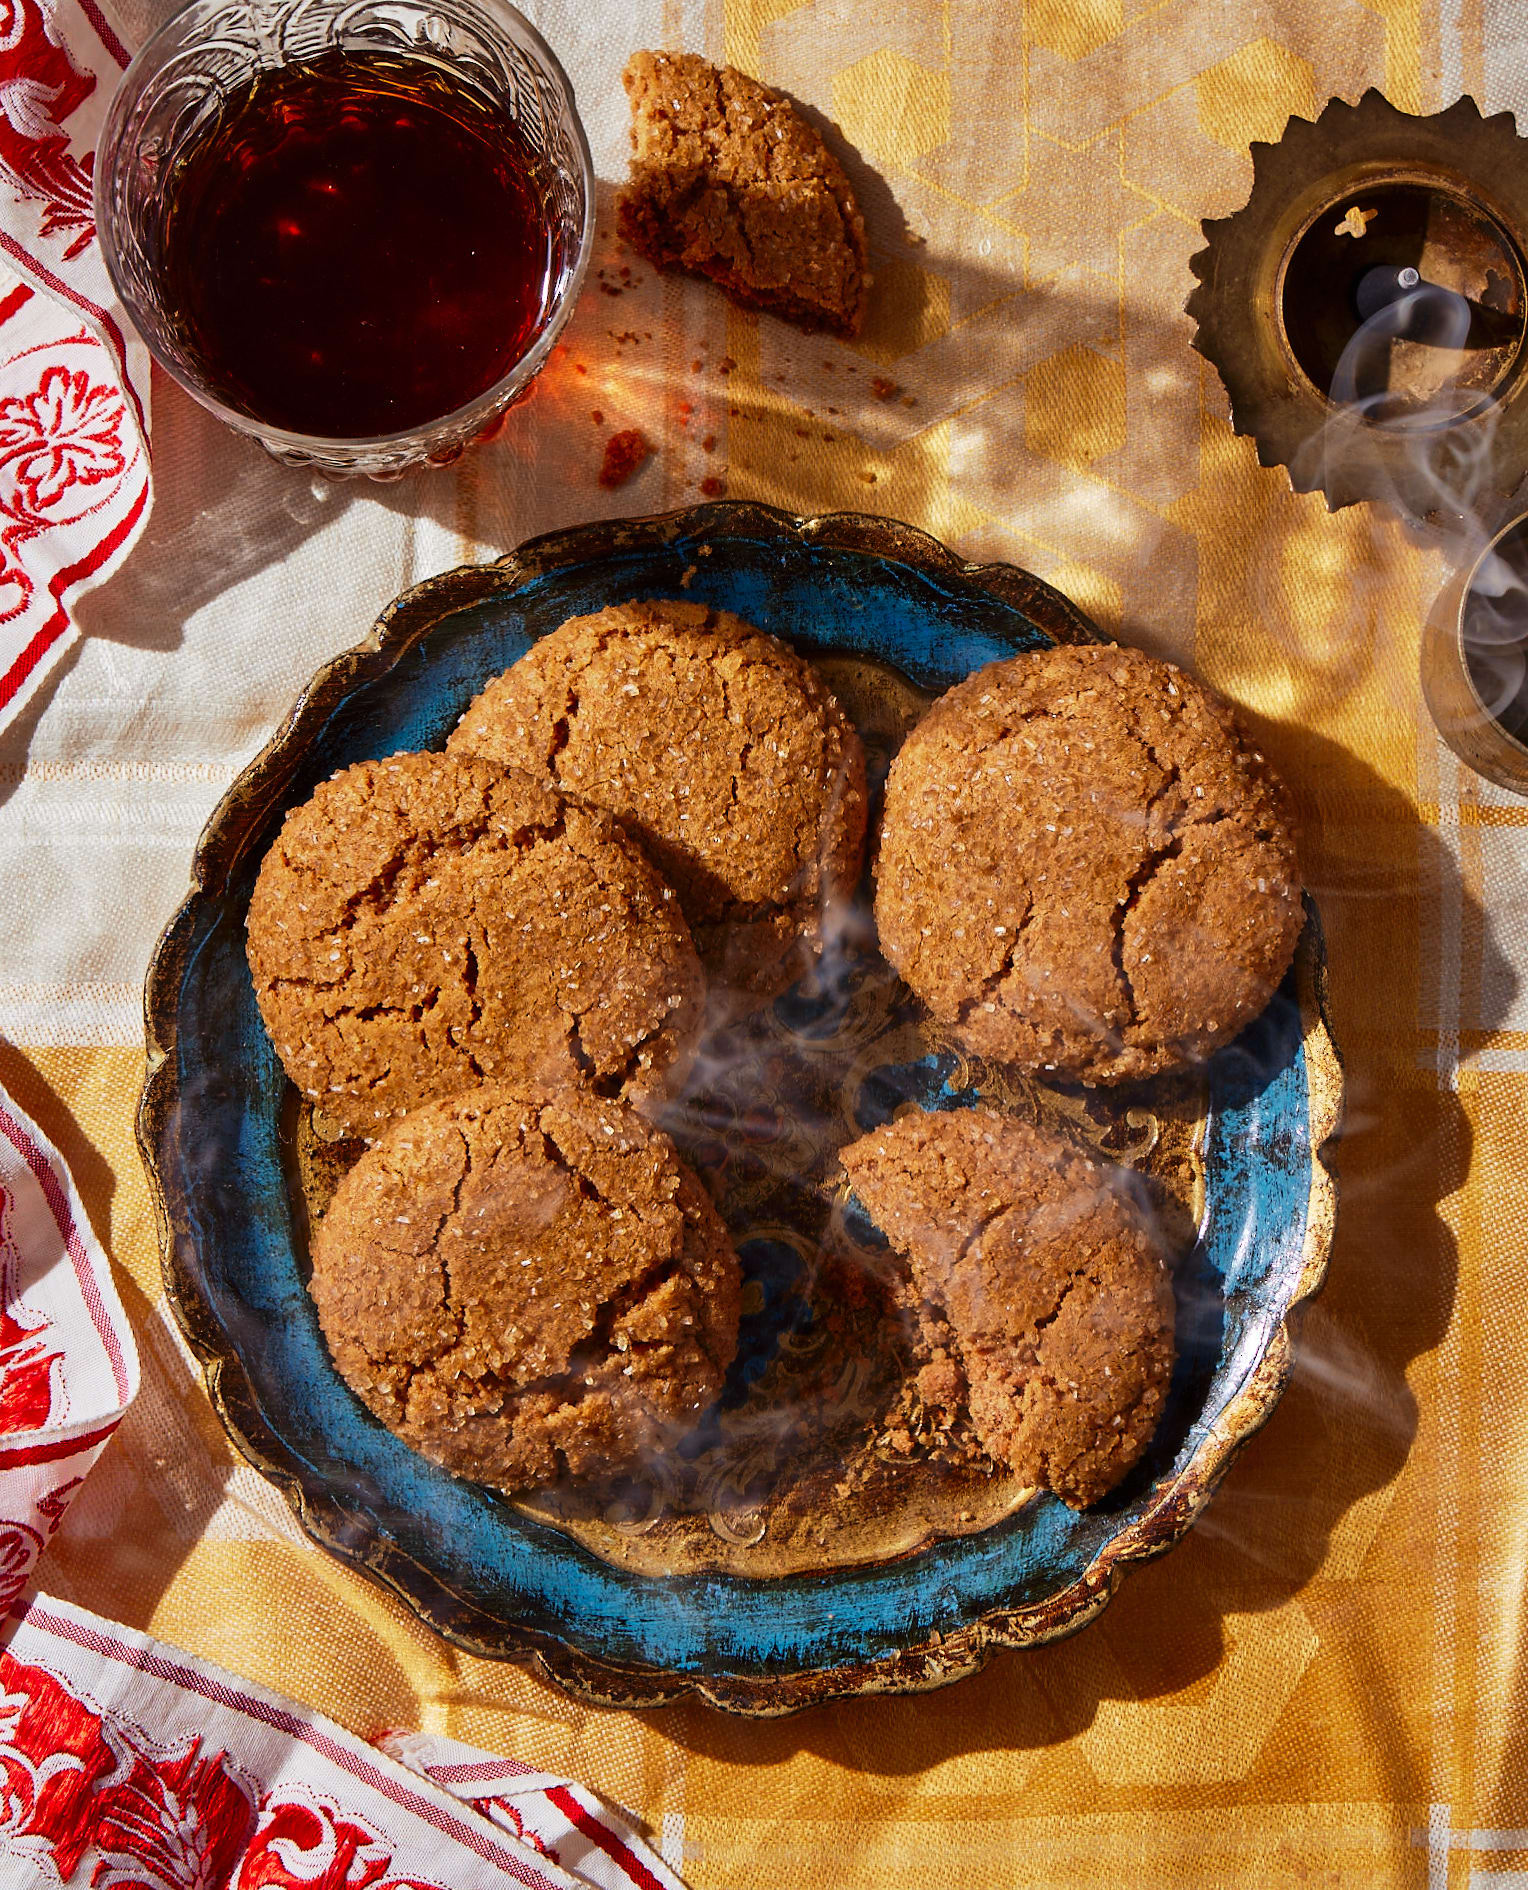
729, 181
1043, 1261
428, 922
715, 746
1086, 867
527, 1285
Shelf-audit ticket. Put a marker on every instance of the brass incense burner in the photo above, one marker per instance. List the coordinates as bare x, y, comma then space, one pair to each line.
1367, 307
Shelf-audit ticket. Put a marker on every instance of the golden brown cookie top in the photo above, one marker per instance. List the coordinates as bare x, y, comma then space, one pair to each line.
523, 1284
1044, 1263
1086, 867
728, 181
717, 748
428, 922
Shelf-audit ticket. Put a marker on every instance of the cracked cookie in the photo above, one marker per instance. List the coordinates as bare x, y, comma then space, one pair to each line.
1085, 867
429, 922
718, 749
525, 1285
1043, 1261
729, 181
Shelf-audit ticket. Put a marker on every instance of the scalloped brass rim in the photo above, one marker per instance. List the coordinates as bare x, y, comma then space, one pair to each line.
351, 1535
1237, 312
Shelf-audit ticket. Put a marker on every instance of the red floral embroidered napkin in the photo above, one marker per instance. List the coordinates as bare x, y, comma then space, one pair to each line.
124, 1762
68, 1366
562, 1820
74, 379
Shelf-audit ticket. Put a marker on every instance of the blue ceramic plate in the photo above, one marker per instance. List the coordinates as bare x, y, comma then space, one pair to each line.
893, 617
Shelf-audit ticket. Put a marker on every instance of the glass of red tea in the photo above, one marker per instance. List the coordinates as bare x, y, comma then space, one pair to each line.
350, 228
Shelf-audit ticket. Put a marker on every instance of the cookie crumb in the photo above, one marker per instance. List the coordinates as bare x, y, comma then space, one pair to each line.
884, 389
625, 452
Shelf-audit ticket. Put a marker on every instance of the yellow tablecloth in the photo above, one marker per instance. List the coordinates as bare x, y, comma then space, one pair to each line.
1327, 1683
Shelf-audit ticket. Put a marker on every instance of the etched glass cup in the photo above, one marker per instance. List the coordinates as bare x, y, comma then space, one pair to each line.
175, 88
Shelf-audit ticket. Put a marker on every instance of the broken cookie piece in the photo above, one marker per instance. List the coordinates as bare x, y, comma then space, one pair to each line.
625, 453
728, 181
525, 1285
1043, 1261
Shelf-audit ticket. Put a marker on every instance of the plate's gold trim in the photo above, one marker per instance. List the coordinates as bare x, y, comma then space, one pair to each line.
241, 815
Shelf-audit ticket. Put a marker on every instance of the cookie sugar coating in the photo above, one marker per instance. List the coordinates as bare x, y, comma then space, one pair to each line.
727, 181
1085, 867
429, 922
522, 1284
1045, 1266
717, 748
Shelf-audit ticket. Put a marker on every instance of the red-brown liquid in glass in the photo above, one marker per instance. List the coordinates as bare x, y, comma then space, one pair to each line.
358, 246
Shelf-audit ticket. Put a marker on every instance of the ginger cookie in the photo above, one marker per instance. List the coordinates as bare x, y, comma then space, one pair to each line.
1042, 1261
1086, 868
427, 922
728, 181
718, 749
526, 1285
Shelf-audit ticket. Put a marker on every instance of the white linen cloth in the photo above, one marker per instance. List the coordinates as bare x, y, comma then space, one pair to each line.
121, 721
248, 575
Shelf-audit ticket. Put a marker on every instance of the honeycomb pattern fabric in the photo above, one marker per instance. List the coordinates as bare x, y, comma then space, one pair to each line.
1327, 1682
